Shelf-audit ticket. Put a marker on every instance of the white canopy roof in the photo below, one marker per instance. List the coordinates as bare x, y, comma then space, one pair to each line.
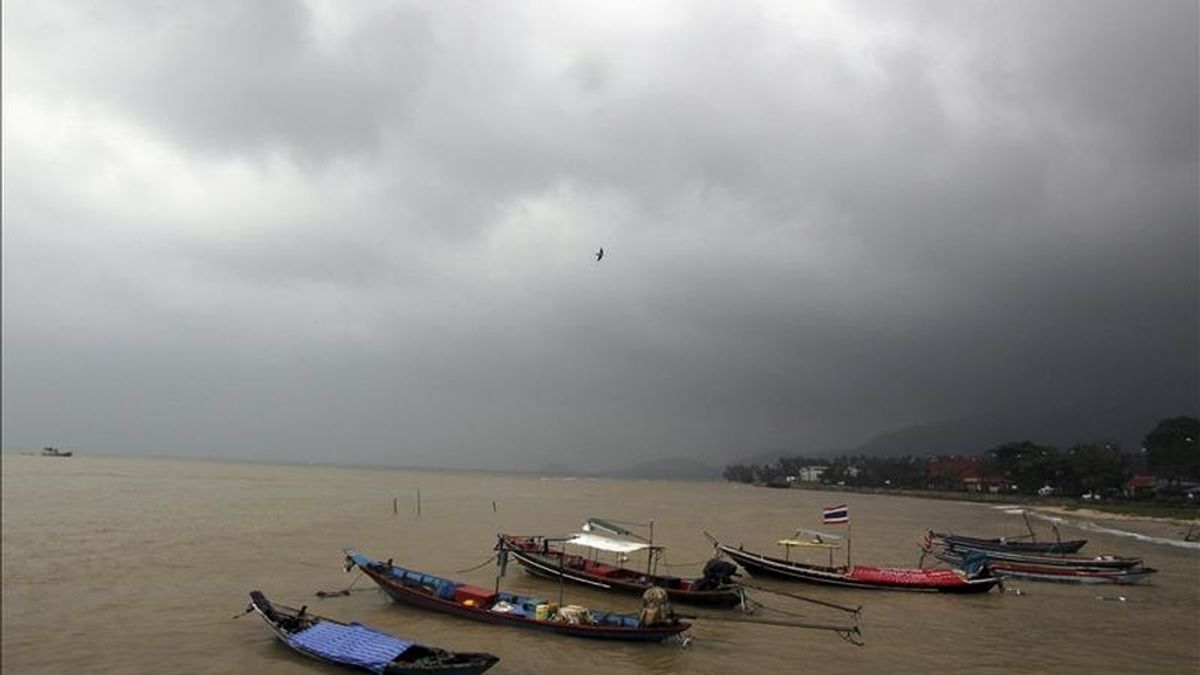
819, 536
606, 544
813, 539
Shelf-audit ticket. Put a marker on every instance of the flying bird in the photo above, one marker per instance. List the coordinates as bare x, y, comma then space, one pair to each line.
600, 254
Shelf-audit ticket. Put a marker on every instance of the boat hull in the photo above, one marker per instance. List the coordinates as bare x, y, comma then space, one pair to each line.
1071, 576
528, 552
981, 544
415, 660
873, 578
412, 594
954, 554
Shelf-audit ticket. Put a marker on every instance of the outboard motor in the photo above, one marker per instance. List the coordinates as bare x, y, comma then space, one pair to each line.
975, 565
717, 573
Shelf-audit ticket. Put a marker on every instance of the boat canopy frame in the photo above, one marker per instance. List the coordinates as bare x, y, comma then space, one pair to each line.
603, 535
813, 539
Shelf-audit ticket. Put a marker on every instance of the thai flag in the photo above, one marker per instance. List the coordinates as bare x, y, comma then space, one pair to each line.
833, 515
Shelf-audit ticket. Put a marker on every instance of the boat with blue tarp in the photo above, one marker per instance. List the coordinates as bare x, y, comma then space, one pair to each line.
357, 646
498, 607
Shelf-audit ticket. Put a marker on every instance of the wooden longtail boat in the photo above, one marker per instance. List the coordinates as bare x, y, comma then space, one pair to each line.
1064, 569
546, 557
357, 646
860, 576
1070, 575
481, 604
955, 554
1005, 545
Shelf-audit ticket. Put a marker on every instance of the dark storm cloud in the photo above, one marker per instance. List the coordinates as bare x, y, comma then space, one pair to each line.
232, 78
364, 232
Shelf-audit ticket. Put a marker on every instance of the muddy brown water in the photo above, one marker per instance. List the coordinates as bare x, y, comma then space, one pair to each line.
127, 565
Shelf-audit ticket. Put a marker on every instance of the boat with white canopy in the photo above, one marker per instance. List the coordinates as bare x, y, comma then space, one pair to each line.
550, 557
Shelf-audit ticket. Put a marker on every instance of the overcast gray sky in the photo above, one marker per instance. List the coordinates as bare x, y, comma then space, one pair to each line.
365, 231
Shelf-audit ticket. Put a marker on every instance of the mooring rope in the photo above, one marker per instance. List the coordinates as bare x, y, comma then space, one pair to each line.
856, 611
305, 563
687, 564
345, 591
759, 605
851, 634
480, 565
239, 615
625, 522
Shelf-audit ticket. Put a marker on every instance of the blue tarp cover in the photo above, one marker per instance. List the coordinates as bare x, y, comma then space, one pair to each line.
354, 644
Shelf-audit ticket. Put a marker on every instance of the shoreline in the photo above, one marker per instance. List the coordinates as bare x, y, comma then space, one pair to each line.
1173, 531
1169, 529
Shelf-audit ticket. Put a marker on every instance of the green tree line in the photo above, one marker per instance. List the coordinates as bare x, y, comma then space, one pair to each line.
1169, 452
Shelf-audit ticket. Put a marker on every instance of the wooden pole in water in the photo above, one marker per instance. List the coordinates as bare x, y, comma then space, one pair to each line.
418, 501
395, 506
493, 506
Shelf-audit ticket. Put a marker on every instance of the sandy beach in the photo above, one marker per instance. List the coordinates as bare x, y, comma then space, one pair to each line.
1164, 528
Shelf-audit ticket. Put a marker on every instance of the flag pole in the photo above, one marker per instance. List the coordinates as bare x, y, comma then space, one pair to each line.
848, 540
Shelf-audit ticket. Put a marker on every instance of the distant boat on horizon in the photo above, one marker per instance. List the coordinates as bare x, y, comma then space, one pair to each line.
49, 451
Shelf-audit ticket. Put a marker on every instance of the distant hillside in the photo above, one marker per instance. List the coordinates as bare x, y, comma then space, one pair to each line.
968, 436
557, 469
670, 469
973, 435
772, 456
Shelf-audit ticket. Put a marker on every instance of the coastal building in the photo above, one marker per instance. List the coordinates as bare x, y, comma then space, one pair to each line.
1141, 485
811, 474
990, 484
948, 473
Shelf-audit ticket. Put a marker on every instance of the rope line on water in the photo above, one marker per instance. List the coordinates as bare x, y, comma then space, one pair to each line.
759, 605
480, 565
345, 591
624, 522
856, 611
306, 563
687, 564
851, 634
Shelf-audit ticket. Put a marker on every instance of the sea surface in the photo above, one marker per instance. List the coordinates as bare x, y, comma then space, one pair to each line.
126, 565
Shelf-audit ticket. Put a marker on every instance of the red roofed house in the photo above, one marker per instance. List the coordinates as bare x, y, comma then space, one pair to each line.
1141, 485
949, 472
991, 484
